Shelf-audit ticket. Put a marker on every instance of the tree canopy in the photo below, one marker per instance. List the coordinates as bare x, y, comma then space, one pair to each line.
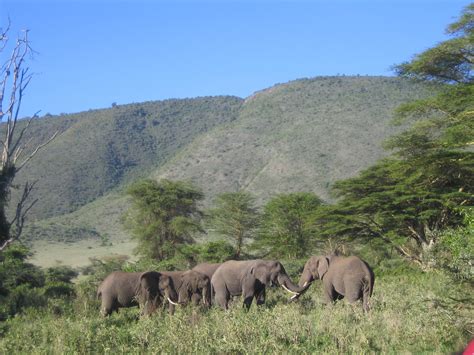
235, 217
286, 229
406, 199
163, 216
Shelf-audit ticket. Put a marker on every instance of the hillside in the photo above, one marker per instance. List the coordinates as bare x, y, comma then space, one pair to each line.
302, 135
299, 136
99, 150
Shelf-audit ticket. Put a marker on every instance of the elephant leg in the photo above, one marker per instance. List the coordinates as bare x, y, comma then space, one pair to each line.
330, 294
355, 292
222, 297
249, 290
260, 297
108, 306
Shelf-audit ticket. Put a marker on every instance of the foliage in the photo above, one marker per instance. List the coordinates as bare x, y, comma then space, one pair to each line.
24, 285
235, 217
408, 199
163, 216
298, 136
411, 313
454, 253
286, 229
216, 251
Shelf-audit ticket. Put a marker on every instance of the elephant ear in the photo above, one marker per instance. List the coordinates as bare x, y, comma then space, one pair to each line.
323, 266
148, 290
262, 273
149, 282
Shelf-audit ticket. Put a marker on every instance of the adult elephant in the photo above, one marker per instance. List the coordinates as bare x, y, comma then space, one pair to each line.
349, 277
249, 278
191, 286
127, 289
207, 269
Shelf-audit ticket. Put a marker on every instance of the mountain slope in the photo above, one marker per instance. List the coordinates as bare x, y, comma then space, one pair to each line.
298, 136
100, 150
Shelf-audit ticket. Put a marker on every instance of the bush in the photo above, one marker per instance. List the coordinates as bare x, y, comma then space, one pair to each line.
453, 252
60, 274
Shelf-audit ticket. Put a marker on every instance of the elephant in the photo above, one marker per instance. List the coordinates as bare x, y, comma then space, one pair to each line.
349, 277
249, 278
191, 286
207, 268
127, 289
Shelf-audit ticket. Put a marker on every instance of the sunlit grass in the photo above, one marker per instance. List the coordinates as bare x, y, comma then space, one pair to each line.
410, 314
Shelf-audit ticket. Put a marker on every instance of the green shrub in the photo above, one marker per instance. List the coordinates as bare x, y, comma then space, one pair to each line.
60, 274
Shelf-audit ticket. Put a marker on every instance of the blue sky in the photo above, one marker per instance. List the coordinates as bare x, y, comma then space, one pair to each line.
93, 53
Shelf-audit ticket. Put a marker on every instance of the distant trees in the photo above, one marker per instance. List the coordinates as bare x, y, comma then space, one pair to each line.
234, 217
15, 151
286, 229
164, 215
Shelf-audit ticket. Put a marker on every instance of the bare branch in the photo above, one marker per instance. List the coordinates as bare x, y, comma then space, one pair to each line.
15, 78
36, 151
20, 214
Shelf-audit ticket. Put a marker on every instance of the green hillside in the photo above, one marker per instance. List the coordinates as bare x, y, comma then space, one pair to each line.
99, 150
299, 136
302, 135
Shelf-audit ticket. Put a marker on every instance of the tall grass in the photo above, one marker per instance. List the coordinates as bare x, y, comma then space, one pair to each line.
410, 314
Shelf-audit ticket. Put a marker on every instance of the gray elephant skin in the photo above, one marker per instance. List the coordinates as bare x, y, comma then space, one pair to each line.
349, 277
249, 279
127, 289
191, 286
207, 269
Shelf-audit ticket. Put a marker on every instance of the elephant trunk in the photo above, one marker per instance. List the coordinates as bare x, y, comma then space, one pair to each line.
288, 285
306, 278
183, 295
171, 296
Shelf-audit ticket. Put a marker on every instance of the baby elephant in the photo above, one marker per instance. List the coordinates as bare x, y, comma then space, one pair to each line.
349, 277
126, 289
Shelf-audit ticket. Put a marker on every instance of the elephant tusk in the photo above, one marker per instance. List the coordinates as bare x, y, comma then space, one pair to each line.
305, 284
294, 296
173, 303
294, 293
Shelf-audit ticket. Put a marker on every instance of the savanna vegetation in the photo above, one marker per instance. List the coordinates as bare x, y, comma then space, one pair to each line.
410, 216
299, 136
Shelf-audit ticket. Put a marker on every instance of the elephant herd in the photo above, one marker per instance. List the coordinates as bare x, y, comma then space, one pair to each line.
348, 277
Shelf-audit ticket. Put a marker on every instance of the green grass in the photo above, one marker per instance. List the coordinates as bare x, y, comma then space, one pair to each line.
415, 313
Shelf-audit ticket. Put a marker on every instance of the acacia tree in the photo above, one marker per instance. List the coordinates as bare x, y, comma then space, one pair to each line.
15, 77
286, 229
235, 217
408, 198
163, 217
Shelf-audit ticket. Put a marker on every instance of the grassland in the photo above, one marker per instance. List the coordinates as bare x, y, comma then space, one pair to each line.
412, 312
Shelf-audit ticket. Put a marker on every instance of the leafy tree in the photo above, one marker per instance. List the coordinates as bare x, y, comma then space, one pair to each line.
164, 215
235, 217
216, 251
286, 229
408, 198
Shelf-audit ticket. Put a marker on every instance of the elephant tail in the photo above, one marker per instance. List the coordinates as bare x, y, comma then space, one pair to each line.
368, 286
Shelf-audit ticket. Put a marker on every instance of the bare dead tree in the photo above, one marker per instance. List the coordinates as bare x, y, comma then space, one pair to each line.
15, 77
